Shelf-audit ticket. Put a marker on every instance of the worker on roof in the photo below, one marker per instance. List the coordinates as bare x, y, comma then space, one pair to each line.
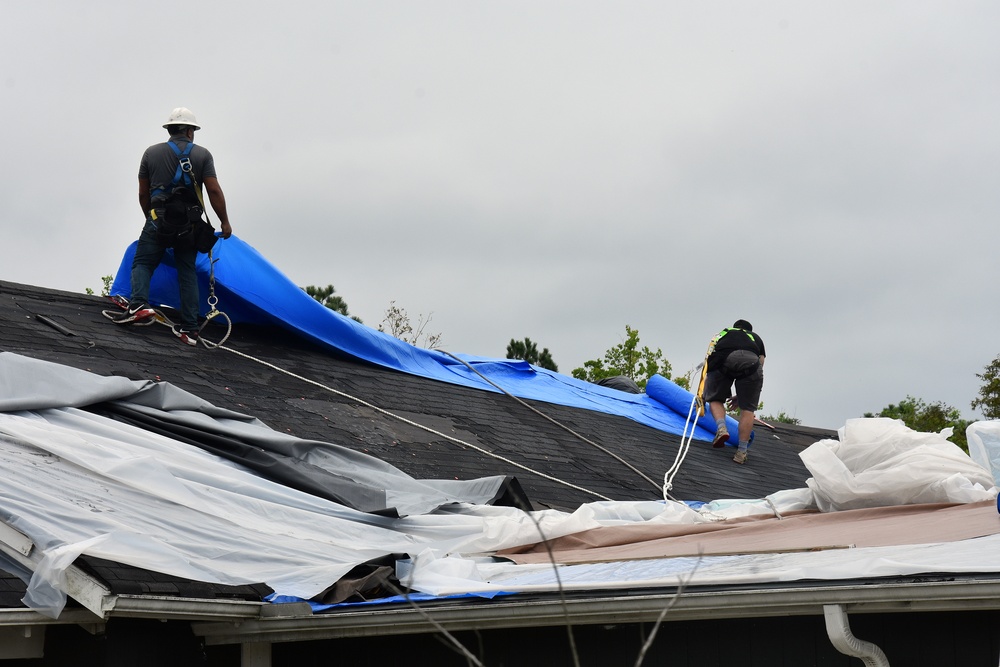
737, 356
170, 178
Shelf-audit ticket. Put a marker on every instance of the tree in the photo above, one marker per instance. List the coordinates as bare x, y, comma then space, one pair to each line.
927, 418
781, 418
527, 350
626, 359
106, 291
988, 401
397, 323
327, 296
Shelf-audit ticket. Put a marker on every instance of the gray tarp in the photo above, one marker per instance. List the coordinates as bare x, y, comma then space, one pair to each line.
80, 482
337, 473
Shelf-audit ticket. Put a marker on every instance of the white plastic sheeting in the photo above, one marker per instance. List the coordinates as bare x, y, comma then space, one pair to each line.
78, 483
450, 575
877, 463
880, 462
984, 446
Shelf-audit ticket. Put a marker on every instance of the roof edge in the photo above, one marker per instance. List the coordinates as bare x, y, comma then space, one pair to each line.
869, 597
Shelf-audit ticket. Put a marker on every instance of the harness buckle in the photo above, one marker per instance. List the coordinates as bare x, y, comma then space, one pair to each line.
185, 164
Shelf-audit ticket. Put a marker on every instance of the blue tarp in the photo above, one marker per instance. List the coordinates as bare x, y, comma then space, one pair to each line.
251, 290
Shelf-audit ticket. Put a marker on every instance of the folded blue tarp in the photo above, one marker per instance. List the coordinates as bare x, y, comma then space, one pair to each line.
251, 290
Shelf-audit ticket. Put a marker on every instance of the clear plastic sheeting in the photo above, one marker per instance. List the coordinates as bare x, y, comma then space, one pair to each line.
984, 446
448, 576
77, 483
881, 462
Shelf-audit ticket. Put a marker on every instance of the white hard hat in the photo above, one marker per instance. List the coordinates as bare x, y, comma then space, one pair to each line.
182, 116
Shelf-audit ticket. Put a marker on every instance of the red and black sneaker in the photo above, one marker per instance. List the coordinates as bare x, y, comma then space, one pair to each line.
187, 336
135, 314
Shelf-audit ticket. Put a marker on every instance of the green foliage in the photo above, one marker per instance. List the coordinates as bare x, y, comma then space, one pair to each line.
781, 418
106, 291
527, 350
686, 379
397, 323
628, 359
988, 401
328, 297
927, 418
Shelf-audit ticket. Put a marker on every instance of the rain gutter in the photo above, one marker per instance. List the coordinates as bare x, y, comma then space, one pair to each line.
868, 598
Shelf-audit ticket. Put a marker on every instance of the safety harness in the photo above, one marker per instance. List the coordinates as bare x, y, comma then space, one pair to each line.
185, 173
696, 410
718, 337
699, 394
185, 219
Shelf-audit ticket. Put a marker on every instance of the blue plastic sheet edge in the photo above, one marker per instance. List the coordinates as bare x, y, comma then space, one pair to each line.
318, 607
251, 290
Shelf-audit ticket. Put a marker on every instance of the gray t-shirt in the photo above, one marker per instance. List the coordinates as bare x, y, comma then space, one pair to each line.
159, 164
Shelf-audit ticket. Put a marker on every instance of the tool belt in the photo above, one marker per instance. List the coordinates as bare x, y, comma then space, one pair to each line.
180, 222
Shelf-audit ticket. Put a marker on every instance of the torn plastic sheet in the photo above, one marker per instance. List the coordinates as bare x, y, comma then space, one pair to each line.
126, 494
338, 473
974, 556
79, 483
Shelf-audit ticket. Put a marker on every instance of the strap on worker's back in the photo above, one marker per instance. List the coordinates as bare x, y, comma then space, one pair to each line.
184, 171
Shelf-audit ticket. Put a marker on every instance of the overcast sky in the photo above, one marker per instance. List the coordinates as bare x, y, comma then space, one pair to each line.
555, 170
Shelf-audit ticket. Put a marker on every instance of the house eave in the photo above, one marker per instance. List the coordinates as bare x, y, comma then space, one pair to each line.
965, 595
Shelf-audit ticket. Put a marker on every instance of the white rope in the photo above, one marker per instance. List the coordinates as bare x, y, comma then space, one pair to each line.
413, 423
208, 318
213, 313
668, 477
212, 300
562, 426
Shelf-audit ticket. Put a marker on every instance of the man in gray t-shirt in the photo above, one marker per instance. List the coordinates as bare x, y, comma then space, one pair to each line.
160, 173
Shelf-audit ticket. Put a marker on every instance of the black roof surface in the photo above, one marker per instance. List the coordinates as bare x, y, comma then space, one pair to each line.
69, 328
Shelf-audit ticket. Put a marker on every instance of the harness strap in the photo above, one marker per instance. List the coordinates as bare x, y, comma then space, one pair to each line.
183, 164
184, 171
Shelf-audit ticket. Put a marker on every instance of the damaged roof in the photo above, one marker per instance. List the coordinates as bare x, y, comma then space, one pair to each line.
562, 457
307, 391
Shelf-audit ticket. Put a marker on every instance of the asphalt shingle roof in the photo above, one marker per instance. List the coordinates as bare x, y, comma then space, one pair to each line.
68, 328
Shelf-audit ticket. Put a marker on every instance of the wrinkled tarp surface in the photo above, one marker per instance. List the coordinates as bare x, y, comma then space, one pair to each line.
884, 500
251, 290
984, 446
78, 482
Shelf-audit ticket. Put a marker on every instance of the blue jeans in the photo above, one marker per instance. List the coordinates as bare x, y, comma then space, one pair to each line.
148, 255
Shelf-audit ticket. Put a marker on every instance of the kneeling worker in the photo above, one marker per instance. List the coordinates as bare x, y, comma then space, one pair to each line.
737, 357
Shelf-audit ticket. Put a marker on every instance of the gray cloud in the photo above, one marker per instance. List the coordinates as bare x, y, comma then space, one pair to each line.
555, 170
